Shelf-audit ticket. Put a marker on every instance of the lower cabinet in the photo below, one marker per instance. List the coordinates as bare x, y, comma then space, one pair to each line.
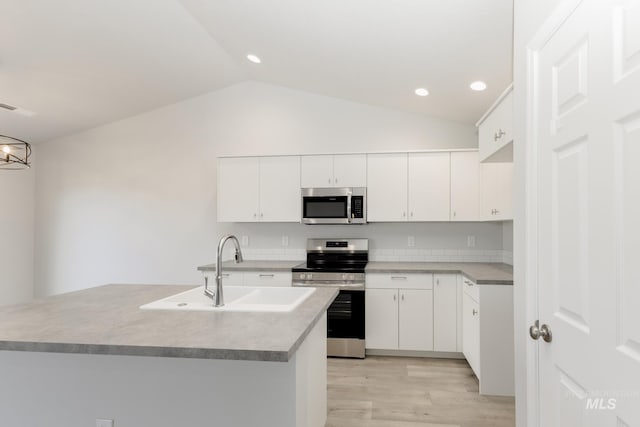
251, 278
488, 335
445, 312
399, 319
400, 312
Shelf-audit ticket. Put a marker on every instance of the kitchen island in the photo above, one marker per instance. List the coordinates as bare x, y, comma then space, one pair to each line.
73, 358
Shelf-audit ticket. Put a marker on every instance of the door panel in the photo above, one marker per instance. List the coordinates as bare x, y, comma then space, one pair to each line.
238, 190
316, 171
381, 319
280, 189
387, 187
416, 320
429, 186
350, 170
465, 186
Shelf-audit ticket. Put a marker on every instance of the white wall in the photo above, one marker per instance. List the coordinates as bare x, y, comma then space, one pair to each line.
529, 15
16, 241
135, 201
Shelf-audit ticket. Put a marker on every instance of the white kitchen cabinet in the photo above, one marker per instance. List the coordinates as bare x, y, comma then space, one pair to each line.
415, 314
488, 335
399, 311
340, 170
381, 318
429, 186
445, 312
238, 190
253, 189
465, 186
496, 191
495, 130
250, 278
387, 187
280, 189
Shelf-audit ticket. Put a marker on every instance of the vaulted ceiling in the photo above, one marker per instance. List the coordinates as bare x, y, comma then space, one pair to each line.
70, 65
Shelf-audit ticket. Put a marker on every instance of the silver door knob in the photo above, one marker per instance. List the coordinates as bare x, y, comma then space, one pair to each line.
536, 331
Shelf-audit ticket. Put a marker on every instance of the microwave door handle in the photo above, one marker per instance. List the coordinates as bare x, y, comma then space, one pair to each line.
349, 208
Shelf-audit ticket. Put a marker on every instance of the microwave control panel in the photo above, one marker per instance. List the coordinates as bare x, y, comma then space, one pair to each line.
357, 210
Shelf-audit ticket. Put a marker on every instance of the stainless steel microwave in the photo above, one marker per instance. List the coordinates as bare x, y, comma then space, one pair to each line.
334, 205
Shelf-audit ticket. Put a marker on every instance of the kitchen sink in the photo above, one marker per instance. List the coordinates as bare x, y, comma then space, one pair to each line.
237, 298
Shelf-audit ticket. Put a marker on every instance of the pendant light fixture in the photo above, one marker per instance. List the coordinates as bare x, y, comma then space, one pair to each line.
14, 153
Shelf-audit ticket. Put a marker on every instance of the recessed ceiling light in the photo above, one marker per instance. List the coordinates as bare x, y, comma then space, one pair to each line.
422, 91
478, 86
253, 58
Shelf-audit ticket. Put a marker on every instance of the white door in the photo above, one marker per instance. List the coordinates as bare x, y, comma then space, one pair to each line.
316, 171
387, 187
350, 170
238, 191
381, 319
445, 314
465, 186
415, 330
429, 186
280, 189
586, 99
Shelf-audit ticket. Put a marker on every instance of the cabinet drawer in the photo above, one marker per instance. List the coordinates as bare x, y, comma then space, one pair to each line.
471, 288
228, 278
399, 281
267, 278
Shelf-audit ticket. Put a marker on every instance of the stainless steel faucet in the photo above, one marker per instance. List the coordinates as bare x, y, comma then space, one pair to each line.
217, 297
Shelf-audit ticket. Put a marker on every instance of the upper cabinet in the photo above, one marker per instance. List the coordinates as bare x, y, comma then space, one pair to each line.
429, 186
253, 189
465, 186
343, 170
496, 183
495, 130
408, 187
387, 187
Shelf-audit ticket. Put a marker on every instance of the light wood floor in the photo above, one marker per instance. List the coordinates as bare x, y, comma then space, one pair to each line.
410, 392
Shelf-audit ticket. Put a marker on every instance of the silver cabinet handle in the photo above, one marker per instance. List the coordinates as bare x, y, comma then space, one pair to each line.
543, 331
404, 214
266, 275
329, 180
226, 274
475, 311
499, 134
336, 180
437, 281
411, 214
261, 214
255, 215
468, 283
402, 296
398, 277
394, 297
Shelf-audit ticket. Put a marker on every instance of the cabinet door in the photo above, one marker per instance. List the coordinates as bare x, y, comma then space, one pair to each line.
471, 332
445, 296
238, 190
496, 183
429, 186
350, 170
465, 186
387, 187
415, 320
496, 131
381, 319
316, 171
280, 189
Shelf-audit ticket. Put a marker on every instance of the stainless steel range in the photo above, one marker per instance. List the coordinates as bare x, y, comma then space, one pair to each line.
339, 263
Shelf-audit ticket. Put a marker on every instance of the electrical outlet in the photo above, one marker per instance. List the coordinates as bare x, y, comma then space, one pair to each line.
285, 240
471, 241
411, 241
104, 423
244, 241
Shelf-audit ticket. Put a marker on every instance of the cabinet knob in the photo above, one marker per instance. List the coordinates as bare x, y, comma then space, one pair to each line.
329, 181
402, 296
261, 215
254, 215
336, 180
404, 214
411, 214
454, 214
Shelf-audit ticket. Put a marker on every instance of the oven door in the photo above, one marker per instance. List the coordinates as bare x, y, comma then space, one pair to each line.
345, 316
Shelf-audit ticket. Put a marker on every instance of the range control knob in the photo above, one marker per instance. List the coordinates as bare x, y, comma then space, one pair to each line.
309, 276
344, 276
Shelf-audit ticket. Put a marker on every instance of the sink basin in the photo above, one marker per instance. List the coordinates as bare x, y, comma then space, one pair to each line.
236, 298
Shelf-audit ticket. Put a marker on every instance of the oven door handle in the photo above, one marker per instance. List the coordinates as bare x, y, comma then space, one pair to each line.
345, 286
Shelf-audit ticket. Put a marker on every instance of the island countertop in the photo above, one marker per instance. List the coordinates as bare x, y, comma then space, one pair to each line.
107, 320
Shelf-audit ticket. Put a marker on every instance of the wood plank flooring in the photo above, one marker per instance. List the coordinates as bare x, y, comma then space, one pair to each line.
410, 392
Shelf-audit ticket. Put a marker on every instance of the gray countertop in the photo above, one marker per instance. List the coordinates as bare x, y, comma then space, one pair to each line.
107, 320
481, 273
248, 265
